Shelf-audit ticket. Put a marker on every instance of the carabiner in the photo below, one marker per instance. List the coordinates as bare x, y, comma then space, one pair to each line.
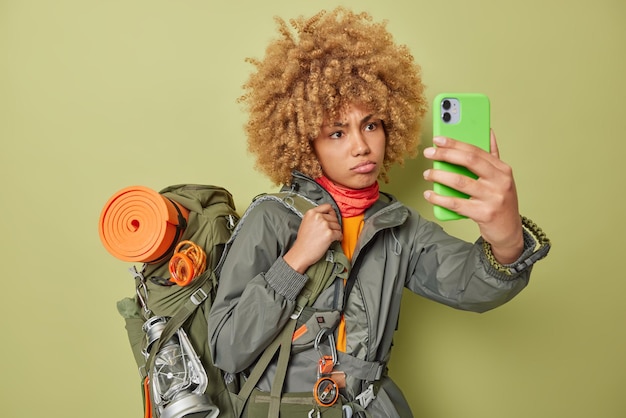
312, 411
331, 342
141, 287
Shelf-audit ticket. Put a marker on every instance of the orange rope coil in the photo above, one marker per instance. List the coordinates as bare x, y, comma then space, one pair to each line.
187, 263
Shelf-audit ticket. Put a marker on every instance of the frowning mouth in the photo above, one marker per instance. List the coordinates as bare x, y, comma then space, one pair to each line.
364, 167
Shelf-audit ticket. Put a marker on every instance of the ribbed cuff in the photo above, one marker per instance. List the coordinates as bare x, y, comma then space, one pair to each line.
505, 272
285, 280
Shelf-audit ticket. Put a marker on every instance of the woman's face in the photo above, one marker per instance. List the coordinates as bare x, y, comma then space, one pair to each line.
351, 150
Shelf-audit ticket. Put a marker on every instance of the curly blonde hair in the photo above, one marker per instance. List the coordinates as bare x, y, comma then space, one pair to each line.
333, 59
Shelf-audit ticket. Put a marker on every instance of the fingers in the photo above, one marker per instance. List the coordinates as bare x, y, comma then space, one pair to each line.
491, 193
477, 160
456, 204
324, 214
493, 144
460, 182
318, 230
459, 153
320, 224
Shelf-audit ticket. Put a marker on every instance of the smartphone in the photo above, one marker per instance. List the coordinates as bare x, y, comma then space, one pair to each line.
464, 117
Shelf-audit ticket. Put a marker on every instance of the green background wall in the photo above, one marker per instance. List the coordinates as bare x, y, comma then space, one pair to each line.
99, 95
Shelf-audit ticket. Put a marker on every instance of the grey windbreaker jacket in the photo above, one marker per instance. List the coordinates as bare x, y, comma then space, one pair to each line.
397, 247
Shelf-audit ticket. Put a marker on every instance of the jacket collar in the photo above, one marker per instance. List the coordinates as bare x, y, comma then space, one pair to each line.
305, 185
386, 212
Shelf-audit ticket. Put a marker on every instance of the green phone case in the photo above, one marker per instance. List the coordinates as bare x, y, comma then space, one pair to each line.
473, 126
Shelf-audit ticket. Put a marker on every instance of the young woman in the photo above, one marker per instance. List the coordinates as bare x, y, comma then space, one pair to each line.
333, 105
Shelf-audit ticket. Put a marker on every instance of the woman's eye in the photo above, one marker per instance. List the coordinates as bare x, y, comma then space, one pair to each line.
336, 135
371, 126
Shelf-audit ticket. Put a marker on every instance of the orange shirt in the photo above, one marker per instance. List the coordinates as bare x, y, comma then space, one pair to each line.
351, 230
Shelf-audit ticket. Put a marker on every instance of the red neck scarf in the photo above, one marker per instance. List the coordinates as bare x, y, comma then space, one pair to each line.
351, 202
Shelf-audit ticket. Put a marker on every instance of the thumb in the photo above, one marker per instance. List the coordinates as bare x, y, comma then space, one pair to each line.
493, 144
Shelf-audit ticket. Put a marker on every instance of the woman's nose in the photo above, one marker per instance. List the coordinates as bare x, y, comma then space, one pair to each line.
359, 146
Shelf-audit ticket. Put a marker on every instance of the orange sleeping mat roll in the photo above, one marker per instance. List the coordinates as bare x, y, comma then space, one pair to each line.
138, 224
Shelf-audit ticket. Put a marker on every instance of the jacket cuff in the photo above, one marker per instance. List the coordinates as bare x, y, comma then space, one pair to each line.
513, 270
536, 246
285, 280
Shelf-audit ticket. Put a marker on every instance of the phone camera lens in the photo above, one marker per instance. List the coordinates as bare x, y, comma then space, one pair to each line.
446, 117
446, 104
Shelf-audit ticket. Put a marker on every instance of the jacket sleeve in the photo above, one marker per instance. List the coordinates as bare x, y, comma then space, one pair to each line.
257, 289
457, 273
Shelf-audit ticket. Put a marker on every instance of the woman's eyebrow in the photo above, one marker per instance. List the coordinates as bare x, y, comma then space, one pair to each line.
340, 124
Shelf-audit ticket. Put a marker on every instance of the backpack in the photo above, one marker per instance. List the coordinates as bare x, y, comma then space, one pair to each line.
167, 323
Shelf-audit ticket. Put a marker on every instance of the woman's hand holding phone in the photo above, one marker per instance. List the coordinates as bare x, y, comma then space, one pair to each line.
492, 201
470, 180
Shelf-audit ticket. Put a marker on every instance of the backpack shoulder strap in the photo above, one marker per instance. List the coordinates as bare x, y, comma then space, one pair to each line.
282, 344
321, 275
295, 202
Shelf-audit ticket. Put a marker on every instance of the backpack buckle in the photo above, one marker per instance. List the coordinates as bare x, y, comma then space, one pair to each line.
297, 312
366, 397
198, 296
